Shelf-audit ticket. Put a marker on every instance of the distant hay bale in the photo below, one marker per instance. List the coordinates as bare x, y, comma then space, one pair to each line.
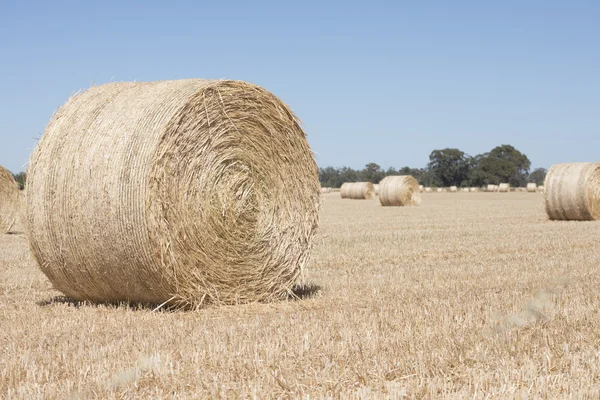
421, 188
541, 189
504, 188
522, 189
439, 190
325, 190
531, 187
474, 189
572, 192
402, 190
186, 192
427, 190
9, 200
376, 187
453, 189
357, 191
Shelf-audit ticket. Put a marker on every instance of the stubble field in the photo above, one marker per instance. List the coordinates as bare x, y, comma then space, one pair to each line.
469, 295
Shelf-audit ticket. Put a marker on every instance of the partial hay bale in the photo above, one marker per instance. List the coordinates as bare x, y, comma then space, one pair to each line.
504, 188
9, 200
376, 187
174, 192
357, 191
531, 187
325, 190
573, 192
453, 189
427, 190
522, 189
474, 189
464, 190
421, 188
402, 190
541, 188
439, 190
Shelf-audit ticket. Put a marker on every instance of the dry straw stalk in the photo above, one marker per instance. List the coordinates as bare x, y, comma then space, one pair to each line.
400, 190
173, 191
357, 191
572, 192
9, 200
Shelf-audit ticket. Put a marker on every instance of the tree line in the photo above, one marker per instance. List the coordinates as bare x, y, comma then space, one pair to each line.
449, 167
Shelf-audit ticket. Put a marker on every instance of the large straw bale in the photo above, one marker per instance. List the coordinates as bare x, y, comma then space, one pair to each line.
357, 191
181, 192
504, 188
9, 200
531, 187
402, 190
572, 192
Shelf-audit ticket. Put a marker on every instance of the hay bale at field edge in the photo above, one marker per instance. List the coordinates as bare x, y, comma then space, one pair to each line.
504, 188
427, 190
357, 191
453, 189
572, 192
401, 190
9, 200
173, 192
531, 187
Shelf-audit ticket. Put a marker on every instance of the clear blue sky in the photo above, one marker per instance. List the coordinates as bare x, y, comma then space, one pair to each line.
386, 82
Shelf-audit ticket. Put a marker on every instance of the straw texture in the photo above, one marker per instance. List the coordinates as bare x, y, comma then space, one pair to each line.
572, 192
504, 188
187, 192
402, 190
531, 187
9, 200
357, 191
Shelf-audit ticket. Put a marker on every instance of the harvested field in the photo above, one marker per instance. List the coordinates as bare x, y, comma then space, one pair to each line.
468, 295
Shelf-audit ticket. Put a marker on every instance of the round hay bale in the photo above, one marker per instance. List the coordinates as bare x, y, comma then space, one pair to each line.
402, 190
174, 192
9, 200
325, 190
357, 191
453, 189
439, 190
421, 188
531, 187
427, 190
376, 187
541, 188
573, 192
474, 189
504, 188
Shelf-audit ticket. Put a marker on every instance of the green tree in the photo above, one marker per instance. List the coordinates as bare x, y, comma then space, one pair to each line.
502, 164
21, 179
372, 173
538, 176
448, 167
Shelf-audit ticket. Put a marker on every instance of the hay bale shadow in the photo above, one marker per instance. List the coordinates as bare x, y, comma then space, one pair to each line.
306, 291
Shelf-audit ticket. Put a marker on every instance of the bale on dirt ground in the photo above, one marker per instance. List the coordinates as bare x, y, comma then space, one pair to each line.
491, 188
474, 189
531, 187
572, 192
453, 189
9, 200
325, 190
504, 188
439, 190
357, 191
402, 190
427, 190
174, 192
